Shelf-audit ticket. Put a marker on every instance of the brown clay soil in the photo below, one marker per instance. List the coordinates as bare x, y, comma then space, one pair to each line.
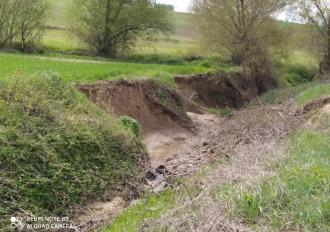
220, 89
153, 105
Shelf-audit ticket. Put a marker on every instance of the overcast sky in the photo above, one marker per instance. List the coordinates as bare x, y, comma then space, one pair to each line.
179, 5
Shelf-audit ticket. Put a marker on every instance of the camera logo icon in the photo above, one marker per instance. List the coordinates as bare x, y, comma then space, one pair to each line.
16, 223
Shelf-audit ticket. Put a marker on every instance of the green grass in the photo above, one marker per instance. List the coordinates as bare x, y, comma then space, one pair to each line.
299, 67
298, 198
153, 206
221, 112
313, 93
58, 150
277, 96
73, 71
150, 208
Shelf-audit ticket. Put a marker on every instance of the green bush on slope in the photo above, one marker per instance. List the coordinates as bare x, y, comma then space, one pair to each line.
58, 150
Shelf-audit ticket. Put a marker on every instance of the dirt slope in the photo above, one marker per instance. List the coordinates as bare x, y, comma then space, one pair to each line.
153, 105
220, 89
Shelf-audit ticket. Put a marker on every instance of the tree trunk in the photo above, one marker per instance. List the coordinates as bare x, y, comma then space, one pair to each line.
325, 64
106, 48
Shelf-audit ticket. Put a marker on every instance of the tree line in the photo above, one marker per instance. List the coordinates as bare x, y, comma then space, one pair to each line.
245, 28
21, 22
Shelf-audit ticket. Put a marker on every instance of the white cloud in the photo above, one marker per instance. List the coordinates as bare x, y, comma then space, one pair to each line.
179, 5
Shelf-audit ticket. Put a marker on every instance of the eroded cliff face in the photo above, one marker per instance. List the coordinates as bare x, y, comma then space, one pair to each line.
220, 89
153, 105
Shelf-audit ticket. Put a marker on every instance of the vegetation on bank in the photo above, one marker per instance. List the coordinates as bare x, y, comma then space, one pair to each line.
316, 92
58, 150
297, 198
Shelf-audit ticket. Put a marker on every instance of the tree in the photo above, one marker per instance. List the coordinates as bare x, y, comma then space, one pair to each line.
112, 27
244, 27
8, 16
30, 22
21, 21
317, 12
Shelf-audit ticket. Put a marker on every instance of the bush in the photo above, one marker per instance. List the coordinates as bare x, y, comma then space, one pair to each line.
57, 150
298, 74
131, 124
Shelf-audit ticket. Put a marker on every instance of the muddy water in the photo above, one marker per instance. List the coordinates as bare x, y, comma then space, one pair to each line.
163, 145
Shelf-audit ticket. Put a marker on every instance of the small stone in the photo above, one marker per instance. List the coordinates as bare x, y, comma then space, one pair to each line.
160, 188
162, 170
151, 175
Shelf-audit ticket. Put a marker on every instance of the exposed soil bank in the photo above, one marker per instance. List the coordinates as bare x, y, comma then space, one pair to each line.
167, 127
220, 89
153, 105
162, 112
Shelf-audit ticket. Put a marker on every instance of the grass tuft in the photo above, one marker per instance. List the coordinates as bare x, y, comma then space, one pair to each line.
313, 93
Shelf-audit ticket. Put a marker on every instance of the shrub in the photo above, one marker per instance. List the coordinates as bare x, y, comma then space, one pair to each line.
298, 74
131, 124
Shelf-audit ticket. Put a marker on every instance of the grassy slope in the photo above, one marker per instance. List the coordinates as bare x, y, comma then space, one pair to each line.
57, 16
59, 150
297, 197
313, 93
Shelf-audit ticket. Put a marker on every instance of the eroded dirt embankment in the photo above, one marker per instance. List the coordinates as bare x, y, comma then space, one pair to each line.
158, 109
153, 105
178, 132
162, 112
220, 89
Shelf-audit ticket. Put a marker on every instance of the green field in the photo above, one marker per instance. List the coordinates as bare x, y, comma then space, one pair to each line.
85, 71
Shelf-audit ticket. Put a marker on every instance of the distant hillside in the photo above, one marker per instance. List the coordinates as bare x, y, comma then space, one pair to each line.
58, 18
